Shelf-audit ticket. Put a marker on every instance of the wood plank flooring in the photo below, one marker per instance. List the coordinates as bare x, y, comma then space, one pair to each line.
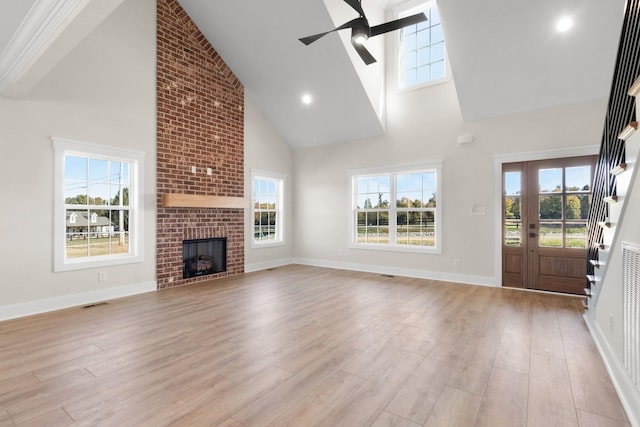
306, 346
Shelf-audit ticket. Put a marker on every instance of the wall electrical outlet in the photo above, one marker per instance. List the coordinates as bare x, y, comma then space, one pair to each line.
456, 262
209, 171
102, 276
193, 169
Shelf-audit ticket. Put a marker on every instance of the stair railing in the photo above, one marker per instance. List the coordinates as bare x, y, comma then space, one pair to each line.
620, 111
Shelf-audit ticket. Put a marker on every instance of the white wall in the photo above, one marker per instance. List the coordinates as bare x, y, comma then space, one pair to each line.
103, 92
423, 126
266, 150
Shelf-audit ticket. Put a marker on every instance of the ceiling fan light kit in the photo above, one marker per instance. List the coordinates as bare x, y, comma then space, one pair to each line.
361, 31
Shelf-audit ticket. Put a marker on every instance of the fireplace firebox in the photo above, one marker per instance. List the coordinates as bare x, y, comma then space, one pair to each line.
204, 256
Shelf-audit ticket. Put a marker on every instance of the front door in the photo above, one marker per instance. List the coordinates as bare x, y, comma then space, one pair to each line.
545, 207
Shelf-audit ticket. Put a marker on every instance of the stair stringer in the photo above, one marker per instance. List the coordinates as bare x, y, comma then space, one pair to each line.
612, 238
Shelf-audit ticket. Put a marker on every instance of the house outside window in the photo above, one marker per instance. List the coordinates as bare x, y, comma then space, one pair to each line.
396, 210
267, 189
422, 49
98, 214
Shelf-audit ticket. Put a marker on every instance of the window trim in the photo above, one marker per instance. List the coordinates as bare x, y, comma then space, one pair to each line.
407, 9
280, 210
63, 147
395, 170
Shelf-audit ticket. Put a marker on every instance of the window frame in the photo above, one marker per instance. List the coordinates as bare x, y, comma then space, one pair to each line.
65, 147
404, 10
393, 172
280, 180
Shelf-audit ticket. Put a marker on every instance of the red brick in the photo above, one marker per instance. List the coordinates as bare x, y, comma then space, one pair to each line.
200, 122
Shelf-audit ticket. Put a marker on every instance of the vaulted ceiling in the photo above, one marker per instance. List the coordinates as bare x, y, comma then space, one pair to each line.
505, 55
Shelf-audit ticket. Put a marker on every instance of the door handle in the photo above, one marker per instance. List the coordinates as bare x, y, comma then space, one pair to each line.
532, 234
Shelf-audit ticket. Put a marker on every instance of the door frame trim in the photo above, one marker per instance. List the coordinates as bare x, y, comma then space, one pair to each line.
498, 161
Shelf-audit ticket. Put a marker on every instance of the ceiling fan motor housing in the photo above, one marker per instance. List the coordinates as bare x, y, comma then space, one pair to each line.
360, 31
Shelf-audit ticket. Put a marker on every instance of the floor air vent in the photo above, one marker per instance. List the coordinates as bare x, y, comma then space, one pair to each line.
97, 304
631, 289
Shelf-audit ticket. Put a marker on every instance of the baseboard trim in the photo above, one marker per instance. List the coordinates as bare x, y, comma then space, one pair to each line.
397, 271
629, 396
51, 304
250, 268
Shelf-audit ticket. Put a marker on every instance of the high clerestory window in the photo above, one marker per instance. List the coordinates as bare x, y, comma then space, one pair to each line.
422, 55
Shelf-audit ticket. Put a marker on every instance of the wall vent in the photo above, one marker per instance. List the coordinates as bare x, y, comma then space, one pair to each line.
97, 304
631, 289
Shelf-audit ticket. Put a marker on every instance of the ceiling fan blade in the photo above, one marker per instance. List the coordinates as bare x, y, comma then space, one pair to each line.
310, 39
397, 24
355, 4
364, 53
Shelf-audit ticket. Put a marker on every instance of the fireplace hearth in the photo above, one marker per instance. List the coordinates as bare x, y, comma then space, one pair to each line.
201, 257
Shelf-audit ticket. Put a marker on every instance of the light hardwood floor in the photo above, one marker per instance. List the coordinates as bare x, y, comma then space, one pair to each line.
305, 346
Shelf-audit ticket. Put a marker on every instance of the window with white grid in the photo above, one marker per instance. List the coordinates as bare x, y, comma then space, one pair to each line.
267, 208
396, 209
422, 49
98, 205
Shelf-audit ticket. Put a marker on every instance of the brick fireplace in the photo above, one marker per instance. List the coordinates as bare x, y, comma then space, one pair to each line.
200, 132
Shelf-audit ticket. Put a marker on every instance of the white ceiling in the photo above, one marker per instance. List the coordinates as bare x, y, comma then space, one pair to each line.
505, 57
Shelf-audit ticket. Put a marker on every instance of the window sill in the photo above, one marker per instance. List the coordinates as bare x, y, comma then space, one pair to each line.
81, 264
397, 248
403, 89
260, 245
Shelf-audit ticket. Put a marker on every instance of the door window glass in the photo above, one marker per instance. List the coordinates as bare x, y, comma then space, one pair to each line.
578, 179
512, 208
550, 180
550, 235
563, 206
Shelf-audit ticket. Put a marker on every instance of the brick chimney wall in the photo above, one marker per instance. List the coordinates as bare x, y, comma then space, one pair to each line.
200, 122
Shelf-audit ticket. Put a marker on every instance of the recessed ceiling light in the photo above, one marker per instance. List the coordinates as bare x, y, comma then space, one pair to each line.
564, 24
306, 99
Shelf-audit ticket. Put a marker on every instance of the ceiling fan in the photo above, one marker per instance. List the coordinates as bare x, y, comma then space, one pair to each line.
361, 31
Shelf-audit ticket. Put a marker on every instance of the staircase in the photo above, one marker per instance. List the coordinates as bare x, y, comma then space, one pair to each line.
621, 177
613, 317
614, 218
